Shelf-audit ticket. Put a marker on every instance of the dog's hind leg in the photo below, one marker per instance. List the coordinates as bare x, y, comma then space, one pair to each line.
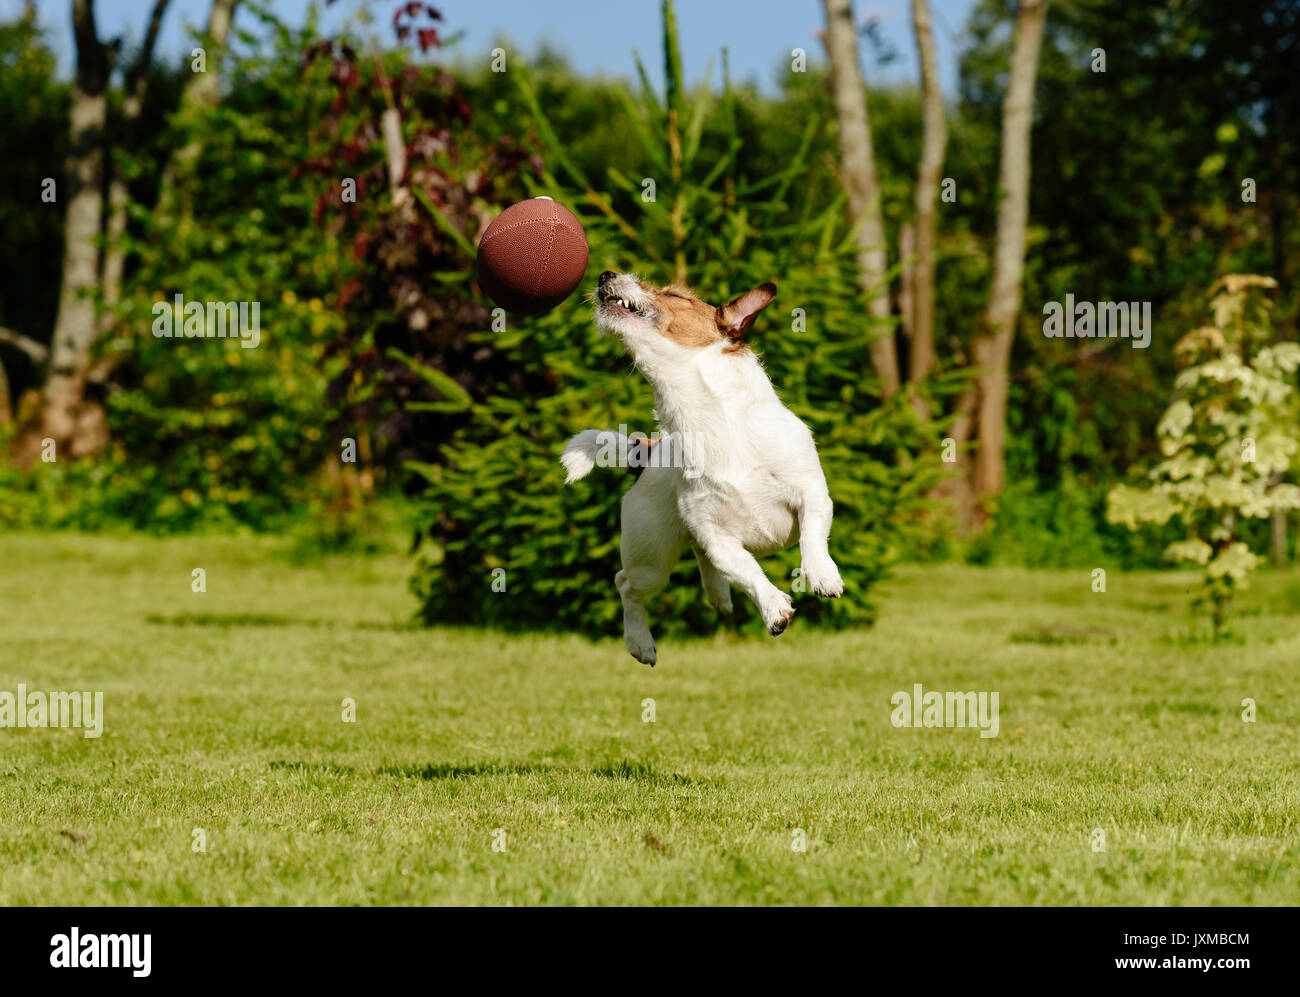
739, 567
651, 542
636, 625
716, 587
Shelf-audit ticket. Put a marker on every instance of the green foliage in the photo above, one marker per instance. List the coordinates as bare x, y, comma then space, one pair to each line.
1227, 438
1157, 218
205, 432
1052, 513
498, 499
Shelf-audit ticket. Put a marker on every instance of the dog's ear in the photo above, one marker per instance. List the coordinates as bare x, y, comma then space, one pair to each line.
735, 317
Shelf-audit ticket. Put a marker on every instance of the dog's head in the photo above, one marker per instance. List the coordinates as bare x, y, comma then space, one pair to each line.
645, 317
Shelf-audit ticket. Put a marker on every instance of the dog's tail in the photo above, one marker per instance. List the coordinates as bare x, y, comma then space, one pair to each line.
631, 453
579, 455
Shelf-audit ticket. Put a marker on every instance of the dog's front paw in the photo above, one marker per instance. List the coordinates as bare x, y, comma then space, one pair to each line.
778, 614
824, 579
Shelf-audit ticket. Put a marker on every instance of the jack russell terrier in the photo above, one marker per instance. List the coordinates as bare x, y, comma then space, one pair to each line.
743, 480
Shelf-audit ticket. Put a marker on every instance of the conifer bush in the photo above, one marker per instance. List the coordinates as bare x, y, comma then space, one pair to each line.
508, 544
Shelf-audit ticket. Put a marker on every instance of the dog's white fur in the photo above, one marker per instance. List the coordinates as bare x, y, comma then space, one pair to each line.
752, 484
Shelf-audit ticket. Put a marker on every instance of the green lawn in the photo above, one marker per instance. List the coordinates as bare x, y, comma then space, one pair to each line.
223, 712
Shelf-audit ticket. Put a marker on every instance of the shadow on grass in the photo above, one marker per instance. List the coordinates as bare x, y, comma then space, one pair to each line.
228, 620
1053, 635
636, 771
621, 769
435, 773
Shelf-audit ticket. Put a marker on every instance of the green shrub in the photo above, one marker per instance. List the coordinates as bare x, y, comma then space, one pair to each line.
203, 432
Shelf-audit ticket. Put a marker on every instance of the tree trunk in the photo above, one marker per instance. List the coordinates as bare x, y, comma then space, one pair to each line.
933, 139
75, 325
956, 490
991, 351
907, 284
858, 175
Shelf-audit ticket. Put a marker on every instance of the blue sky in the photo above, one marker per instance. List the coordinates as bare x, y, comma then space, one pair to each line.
597, 35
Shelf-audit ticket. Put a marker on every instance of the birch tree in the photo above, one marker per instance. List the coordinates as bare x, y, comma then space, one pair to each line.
75, 325
934, 137
77, 428
991, 349
858, 176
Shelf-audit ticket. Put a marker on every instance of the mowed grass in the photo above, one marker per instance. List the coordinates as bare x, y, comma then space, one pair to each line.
223, 712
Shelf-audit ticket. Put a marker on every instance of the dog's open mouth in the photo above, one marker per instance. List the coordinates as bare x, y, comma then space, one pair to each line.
608, 299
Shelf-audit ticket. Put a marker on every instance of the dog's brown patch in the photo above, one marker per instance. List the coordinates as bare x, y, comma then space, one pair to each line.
693, 323
685, 319
690, 322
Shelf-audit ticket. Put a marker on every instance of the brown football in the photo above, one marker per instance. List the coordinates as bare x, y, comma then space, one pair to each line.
532, 256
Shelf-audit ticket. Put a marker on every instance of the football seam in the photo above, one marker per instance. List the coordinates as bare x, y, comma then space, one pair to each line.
510, 228
546, 259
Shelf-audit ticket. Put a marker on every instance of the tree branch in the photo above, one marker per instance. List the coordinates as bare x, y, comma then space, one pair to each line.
31, 347
145, 57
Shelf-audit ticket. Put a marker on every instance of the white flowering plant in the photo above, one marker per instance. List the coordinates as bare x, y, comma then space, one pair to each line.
1228, 439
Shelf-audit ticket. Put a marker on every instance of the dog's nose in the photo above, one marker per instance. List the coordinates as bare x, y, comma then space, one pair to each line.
607, 276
